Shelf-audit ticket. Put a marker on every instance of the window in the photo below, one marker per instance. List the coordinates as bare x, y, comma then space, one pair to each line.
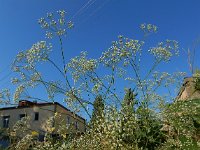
76, 125
36, 115
68, 119
6, 121
22, 116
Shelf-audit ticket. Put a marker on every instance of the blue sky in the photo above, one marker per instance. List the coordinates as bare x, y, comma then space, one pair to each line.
97, 26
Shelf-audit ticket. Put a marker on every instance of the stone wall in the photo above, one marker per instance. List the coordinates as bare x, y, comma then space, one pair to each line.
188, 91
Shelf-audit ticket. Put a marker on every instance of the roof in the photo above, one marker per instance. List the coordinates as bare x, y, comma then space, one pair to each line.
39, 105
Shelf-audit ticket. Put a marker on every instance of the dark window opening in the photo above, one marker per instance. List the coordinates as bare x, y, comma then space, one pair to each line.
68, 119
36, 115
76, 125
22, 116
6, 121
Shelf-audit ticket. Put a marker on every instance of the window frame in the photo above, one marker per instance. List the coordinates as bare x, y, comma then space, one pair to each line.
36, 118
6, 125
76, 125
68, 120
21, 116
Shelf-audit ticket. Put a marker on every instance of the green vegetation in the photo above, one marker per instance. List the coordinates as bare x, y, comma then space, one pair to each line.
197, 79
183, 118
98, 111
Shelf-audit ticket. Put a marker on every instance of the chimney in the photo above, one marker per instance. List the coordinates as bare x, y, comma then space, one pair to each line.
25, 103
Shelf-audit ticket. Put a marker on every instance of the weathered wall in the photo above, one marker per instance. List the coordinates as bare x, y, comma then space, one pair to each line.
45, 112
188, 90
65, 115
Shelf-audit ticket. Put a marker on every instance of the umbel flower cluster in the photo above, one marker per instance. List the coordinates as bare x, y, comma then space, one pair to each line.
140, 118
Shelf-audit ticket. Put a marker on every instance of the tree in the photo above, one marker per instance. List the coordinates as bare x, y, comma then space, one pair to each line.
129, 99
140, 126
98, 111
128, 118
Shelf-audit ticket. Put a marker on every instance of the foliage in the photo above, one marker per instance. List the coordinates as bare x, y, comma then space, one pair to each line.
98, 111
182, 119
196, 75
197, 84
128, 117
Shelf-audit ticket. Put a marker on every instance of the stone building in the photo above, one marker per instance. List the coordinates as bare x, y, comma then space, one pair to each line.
38, 114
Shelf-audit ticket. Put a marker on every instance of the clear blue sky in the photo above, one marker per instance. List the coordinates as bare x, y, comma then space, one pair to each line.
97, 26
